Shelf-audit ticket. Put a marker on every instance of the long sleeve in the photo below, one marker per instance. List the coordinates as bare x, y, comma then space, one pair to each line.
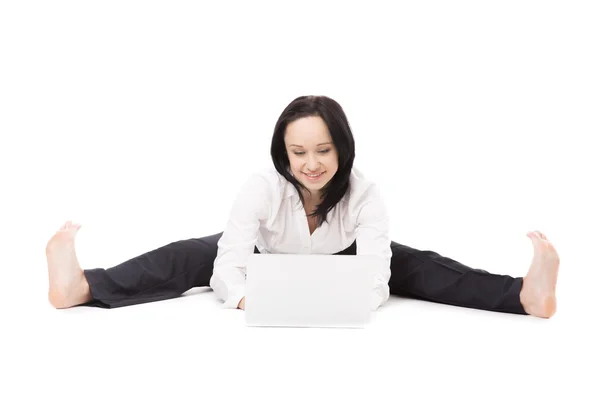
373, 239
238, 240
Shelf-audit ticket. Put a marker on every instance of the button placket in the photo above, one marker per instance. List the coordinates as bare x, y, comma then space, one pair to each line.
303, 229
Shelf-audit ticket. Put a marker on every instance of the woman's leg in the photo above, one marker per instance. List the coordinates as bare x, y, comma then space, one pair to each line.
163, 273
429, 276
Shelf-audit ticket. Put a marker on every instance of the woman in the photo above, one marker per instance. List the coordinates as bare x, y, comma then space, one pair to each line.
314, 201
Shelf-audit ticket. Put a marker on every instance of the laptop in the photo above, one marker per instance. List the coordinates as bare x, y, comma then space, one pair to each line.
309, 290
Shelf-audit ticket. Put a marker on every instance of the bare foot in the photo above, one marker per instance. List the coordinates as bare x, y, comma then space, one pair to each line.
67, 284
539, 285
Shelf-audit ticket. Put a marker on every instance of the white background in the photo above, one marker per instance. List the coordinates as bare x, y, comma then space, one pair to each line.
140, 120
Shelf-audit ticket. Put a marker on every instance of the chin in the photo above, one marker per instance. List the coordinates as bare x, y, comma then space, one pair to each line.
316, 185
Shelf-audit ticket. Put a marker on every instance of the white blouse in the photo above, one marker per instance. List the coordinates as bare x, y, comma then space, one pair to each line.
267, 213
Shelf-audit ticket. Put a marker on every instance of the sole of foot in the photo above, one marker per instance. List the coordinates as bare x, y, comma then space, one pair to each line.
538, 295
67, 284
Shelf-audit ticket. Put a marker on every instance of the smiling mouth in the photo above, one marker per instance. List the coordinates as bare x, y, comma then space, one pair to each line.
313, 176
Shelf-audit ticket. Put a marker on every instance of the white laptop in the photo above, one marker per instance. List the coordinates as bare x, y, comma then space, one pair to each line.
309, 290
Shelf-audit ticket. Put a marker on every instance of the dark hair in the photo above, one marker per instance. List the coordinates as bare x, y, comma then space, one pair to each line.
339, 129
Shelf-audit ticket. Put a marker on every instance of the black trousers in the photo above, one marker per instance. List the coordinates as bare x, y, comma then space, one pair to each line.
169, 271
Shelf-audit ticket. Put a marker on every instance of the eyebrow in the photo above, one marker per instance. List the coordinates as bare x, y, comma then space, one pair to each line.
320, 144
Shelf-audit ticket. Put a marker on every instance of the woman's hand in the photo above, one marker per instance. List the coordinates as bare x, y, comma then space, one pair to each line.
242, 304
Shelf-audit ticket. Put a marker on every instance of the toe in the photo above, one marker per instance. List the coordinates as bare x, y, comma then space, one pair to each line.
533, 236
541, 235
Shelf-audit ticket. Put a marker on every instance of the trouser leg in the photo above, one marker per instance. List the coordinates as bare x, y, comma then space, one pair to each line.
429, 276
160, 274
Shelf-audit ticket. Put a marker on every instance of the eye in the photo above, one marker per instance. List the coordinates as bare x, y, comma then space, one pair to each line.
300, 153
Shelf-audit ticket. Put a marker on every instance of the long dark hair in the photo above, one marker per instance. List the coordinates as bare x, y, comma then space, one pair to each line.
339, 129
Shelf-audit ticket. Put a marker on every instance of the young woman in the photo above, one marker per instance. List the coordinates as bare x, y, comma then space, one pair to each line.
313, 202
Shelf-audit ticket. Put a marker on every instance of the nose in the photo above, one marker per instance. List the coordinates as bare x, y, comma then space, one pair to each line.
312, 164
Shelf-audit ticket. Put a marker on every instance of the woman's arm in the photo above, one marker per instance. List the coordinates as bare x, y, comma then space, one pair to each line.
237, 243
373, 239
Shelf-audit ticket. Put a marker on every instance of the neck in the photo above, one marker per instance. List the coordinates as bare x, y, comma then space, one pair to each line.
311, 197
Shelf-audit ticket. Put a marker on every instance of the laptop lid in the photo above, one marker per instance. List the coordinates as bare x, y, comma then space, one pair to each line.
309, 290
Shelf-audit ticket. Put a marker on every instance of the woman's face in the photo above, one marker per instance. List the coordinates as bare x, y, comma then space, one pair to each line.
313, 157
